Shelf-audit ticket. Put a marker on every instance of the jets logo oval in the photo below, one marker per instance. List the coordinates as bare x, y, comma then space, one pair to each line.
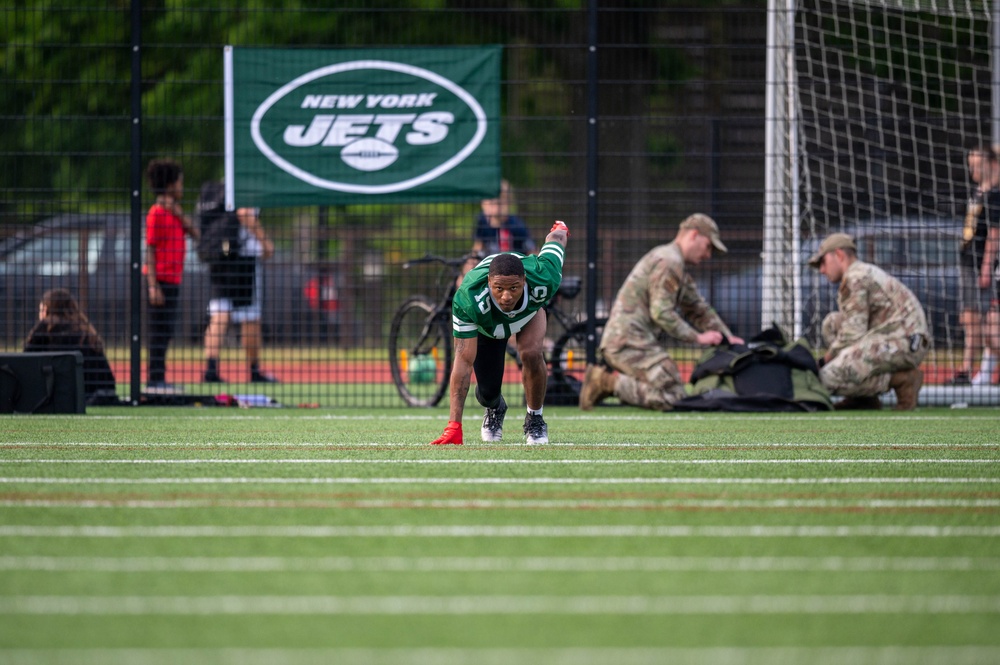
368, 126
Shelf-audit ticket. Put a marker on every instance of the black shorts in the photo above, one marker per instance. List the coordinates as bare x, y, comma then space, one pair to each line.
234, 280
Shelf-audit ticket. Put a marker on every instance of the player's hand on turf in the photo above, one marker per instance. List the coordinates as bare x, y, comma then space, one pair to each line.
452, 434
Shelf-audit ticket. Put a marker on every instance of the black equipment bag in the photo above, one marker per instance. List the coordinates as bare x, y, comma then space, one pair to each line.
50, 382
768, 373
220, 228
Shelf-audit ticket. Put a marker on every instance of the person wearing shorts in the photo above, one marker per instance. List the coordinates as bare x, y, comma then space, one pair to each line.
237, 287
977, 254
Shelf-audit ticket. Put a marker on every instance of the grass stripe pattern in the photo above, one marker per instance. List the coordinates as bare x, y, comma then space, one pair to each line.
182, 535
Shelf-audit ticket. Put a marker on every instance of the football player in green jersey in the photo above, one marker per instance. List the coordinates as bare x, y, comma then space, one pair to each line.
503, 296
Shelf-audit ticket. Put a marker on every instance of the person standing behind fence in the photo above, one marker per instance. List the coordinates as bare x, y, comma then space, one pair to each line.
63, 326
879, 336
977, 255
166, 226
237, 284
658, 298
497, 230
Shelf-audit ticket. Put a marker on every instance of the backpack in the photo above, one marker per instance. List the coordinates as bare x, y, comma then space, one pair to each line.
220, 228
766, 374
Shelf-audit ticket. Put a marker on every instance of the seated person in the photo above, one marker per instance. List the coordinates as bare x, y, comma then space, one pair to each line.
62, 326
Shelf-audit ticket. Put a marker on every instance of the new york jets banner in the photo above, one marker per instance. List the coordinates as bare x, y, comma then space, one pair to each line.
338, 126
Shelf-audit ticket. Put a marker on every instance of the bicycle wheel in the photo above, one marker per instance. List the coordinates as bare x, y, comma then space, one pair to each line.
568, 361
420, 351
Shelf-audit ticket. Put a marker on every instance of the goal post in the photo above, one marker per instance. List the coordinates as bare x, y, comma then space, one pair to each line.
871, 107
781, 210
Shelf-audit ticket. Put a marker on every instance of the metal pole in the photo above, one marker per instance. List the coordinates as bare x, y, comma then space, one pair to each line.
775, 299
592, 163
135, 186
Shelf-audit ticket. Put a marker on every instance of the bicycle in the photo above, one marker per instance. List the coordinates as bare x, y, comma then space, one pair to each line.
420, 340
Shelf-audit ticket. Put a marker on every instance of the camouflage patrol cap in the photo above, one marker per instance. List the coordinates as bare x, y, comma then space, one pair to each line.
832, 242
706, 226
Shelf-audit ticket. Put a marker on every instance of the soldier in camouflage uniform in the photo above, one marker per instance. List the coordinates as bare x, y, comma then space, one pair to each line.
659, 298
877, 339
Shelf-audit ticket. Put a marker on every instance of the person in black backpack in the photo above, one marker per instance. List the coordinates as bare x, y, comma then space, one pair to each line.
233, 245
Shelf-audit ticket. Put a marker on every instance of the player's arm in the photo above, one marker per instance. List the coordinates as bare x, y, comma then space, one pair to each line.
559, 233
152, 284
550, 258
187, 224
855, 311
250, 220
461, 376
989, 256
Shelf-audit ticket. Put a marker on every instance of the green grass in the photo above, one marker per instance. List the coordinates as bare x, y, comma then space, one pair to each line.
162, 535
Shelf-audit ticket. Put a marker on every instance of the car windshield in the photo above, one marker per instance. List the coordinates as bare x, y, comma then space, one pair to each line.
923, 248
54, 255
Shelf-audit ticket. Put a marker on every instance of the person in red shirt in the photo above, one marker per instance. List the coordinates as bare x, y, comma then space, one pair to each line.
166, 226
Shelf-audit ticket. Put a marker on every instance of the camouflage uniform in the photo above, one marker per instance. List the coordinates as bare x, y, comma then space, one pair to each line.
657, 297
880, 329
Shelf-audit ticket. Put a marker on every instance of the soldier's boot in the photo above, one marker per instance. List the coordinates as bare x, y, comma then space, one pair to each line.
866, 403
598, 383
906, 384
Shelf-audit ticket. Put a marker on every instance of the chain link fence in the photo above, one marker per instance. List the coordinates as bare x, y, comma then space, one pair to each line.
621, 119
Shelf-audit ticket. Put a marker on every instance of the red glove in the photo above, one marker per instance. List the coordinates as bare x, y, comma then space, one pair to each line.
452, 434
560, 226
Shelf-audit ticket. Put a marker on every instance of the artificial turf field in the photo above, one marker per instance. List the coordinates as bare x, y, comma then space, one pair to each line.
180, 535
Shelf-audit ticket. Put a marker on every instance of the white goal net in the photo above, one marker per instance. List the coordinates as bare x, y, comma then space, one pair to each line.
871, 109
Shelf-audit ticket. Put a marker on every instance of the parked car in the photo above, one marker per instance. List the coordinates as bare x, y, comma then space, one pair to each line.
89, 254
922, 255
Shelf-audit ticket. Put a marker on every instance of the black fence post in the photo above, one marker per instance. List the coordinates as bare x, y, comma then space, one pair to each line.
135, 183
592, 164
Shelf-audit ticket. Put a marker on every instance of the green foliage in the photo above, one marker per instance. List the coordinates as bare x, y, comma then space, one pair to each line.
66, 142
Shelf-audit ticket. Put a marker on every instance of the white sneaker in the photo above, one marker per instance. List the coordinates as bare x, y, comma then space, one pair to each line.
492, 429
535, 429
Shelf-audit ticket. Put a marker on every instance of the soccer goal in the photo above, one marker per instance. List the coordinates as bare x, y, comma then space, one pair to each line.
871, 106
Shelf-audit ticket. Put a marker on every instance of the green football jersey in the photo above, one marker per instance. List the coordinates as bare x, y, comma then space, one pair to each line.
474, 312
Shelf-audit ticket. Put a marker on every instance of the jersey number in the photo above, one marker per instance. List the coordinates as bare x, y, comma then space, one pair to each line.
540, 293
482, 302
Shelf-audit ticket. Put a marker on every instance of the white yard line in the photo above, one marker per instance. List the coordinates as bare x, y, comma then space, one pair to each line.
724, 655
671, 480
512, 462
494, 605
513, 504
517, 531
498, 564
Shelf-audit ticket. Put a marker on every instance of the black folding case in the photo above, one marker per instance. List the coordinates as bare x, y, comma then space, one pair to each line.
50, 382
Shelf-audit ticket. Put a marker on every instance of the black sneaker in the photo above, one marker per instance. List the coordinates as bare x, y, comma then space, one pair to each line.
261, 377
960, 379
535, 428
492, 429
